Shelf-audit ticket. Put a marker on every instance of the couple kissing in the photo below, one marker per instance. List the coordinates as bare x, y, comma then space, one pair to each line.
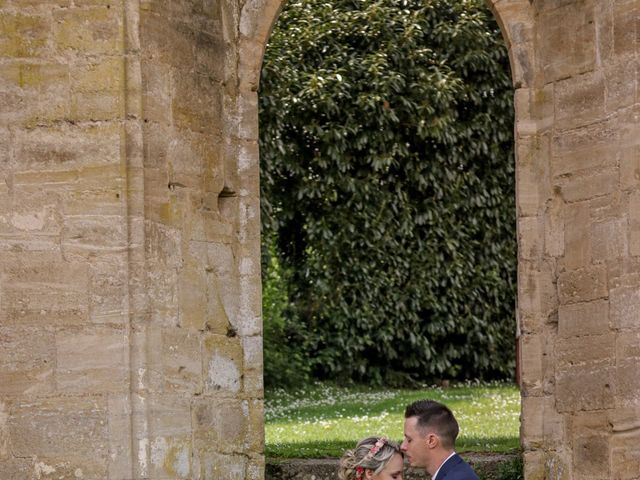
430, 432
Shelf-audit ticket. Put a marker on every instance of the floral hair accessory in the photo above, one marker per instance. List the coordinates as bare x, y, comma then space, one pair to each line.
370, 454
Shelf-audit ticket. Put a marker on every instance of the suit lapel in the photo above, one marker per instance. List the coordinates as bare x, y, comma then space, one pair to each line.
448, 466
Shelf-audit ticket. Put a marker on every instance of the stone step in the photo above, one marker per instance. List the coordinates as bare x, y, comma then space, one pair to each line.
485, 464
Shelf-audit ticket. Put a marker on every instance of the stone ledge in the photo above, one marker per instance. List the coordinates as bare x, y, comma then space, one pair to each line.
486, 465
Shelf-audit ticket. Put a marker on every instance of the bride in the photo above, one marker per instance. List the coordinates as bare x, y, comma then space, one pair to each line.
374, 458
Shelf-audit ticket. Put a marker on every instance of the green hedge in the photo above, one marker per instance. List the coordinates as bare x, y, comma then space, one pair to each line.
388, 191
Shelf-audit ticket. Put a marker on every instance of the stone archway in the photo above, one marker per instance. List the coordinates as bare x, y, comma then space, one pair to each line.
130, 334
578, 201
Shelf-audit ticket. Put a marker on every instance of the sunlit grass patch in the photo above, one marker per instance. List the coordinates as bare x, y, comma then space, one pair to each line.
323, 420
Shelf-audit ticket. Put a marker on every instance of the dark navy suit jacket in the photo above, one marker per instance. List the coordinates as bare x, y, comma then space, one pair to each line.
456, 469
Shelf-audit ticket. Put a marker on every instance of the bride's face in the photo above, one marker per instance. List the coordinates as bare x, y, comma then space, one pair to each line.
392, 470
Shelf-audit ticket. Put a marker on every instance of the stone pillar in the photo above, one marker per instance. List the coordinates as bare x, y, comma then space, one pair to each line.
130, 330
65, 327
578, 186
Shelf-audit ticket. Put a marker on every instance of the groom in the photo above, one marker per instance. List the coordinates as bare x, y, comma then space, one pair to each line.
430, 432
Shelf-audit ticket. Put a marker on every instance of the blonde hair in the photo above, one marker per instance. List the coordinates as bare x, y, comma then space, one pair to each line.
359, 457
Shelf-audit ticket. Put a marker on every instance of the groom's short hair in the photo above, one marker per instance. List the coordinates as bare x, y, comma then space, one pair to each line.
437, 417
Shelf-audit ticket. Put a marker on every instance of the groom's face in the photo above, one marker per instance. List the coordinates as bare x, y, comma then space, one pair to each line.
415, 444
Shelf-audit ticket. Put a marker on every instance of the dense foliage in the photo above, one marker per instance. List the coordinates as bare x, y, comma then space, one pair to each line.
388, 191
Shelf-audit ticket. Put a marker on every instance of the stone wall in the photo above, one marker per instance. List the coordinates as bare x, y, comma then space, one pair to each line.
64, 241
130, 332
579, 237
130, 341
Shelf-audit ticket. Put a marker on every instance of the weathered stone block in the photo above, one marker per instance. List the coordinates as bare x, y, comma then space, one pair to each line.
532, 174
532, 423
105, 76
634, 224
627, 381
69, 467
625, 307
93, 107
598, 136
537, 294
621, 90
247, 158
585, 388
170, 414
625, 459
252, 348
67, 148
590, 318
534, 110
625, 26
536, 368
583, 285
586, 350
214, 465
566, 37
91, 236
33, 214
40, 89
92, 361
182, 361
88, 31
630, 167
554, 228
253, 383
219, 427
589, 430
609, 239
17, 468
192, 298
584, 160
579, 99
628, 345
156, 87
222, 364
23, 36
625, 456
171, 457
120, 430
584, 187
27, 357
5, 453
558, 464
107, 293
577, 238
254, 439
530, 237
591, 456
256, 468
34, 429
163, 39
196, 103
44, 290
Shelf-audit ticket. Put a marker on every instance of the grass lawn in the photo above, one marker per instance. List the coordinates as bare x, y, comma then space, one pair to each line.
324, 420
